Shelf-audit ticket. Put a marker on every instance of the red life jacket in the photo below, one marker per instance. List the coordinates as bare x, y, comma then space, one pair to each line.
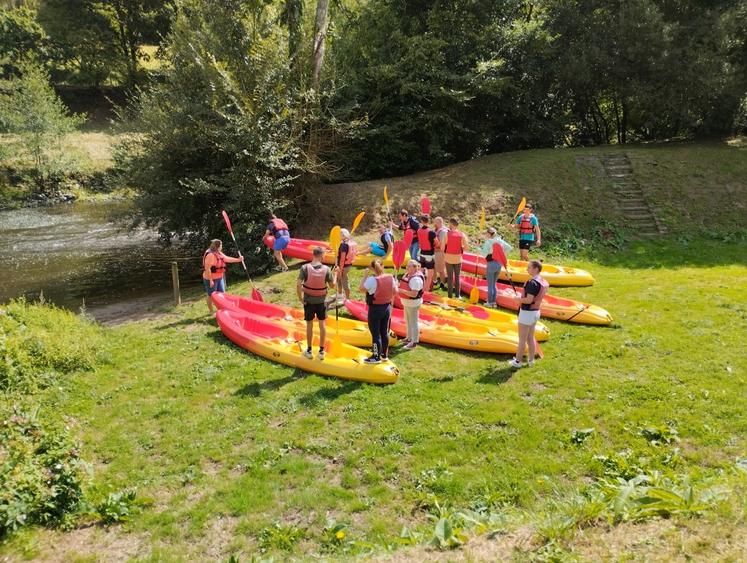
404, 283
424, 240
384, 290
525, 226
454, 242
219, 268
350, 255
315, 284
279, 224
537, 303
437, 241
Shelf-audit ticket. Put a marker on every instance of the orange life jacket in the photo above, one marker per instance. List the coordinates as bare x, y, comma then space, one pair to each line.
537, 303
404, 283
350, 255
281, 229
424, 240
315, 284
525, 226
384, 290
217, 270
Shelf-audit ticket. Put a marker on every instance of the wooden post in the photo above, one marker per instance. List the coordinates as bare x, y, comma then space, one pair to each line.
175, 282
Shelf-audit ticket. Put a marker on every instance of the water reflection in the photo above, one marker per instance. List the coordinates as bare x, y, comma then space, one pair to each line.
76, 252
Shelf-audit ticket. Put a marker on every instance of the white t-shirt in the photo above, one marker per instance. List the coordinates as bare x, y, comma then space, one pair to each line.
415, 284
370, 284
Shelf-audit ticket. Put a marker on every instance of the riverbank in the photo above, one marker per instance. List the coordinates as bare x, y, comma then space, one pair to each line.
243, 457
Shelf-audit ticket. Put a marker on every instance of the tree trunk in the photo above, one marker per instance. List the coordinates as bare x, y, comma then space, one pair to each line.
624, 123
293, 14
617, 121
320, 35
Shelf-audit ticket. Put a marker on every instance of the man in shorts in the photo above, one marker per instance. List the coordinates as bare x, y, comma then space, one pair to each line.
529, 231
278, 230
314, 279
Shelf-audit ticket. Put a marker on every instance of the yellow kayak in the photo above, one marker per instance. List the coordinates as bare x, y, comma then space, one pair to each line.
441, 306
352, 332
303, 249
278, 344
555, 275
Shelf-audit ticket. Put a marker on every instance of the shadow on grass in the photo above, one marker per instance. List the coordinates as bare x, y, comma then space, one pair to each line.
255, 389
207, 319
329, 394
496, 375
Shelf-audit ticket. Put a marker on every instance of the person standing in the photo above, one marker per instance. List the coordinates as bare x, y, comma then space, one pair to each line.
456, 244
408, 223
312, 284
440, 244
529, 313
493, 267
279, 231
411, 295
345, 257
529, 231
427, 244
214, 270
380, 289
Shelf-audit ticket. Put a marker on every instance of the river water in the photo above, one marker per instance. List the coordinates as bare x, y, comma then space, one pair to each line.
76, 253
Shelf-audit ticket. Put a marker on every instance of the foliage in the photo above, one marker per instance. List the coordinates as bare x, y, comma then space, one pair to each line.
280, 537
21, 39
119, 506
218, 130
31, 112
39, 343
41, 473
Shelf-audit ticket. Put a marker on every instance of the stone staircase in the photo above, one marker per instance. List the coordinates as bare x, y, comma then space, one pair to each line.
630, 199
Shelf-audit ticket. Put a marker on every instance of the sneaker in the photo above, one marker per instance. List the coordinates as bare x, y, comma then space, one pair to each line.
490, 305
406, 341
410, 345
321, 354
308, 354
372, 360
279, 269
514, 364
530, 364
384, 358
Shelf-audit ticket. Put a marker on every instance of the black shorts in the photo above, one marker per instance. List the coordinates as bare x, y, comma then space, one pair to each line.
311, 310
525, 244
427, 261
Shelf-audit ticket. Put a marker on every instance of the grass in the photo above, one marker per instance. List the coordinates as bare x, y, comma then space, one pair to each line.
244, 457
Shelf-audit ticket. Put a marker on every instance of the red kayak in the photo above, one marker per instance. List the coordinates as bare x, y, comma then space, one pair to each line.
552, 307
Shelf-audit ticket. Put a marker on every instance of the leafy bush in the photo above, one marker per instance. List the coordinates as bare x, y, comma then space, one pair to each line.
280, 537
119, 506
41, 473
39, 342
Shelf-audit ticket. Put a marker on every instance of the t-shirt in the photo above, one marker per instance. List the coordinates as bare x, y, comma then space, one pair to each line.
409, 223
487, 246
532, 287
533, 220
312, 299
415, 284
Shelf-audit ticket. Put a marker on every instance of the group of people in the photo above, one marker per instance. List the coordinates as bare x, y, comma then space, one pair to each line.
435, 263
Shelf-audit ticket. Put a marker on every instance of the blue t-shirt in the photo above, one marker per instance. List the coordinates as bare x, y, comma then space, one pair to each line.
533, 220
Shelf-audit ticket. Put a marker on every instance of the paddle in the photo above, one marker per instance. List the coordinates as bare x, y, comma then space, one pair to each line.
386, 202
474, 294
256, 295
398, 253
522, 205
425, 206
335, 238
409, 235
500, 255
357, 221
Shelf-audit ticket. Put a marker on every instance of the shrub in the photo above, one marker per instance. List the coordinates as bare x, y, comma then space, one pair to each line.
40, 471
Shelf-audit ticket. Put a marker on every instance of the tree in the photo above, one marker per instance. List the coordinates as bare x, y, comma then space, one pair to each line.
21, 39
31, 111
321, 25
218, 130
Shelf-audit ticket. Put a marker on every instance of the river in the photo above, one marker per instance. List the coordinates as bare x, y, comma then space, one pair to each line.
76, 253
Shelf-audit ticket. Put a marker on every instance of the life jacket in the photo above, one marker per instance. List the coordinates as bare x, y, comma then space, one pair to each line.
315, 284
217, 269
454, 242
525, 226
384, 291
437, 242
537, 303
350, 255
280, 228
404, 283
424, 240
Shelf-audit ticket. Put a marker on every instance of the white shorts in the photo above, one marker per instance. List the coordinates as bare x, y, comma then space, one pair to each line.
528, 317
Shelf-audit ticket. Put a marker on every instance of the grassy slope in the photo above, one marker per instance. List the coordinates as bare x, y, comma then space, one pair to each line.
228, 444
680, 181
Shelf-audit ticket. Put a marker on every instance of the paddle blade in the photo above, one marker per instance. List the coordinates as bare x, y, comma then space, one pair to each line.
398, 252
409, 234
499, 255
256, 295
482, 220
228, 221
425, 206
357, 221
386, 196
335, 238
474, 295
522, 205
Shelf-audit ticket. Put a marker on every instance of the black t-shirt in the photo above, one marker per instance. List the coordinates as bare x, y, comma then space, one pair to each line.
410, 223
532, 287
344, 249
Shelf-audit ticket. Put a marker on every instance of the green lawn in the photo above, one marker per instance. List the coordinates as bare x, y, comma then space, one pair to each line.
245, 457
